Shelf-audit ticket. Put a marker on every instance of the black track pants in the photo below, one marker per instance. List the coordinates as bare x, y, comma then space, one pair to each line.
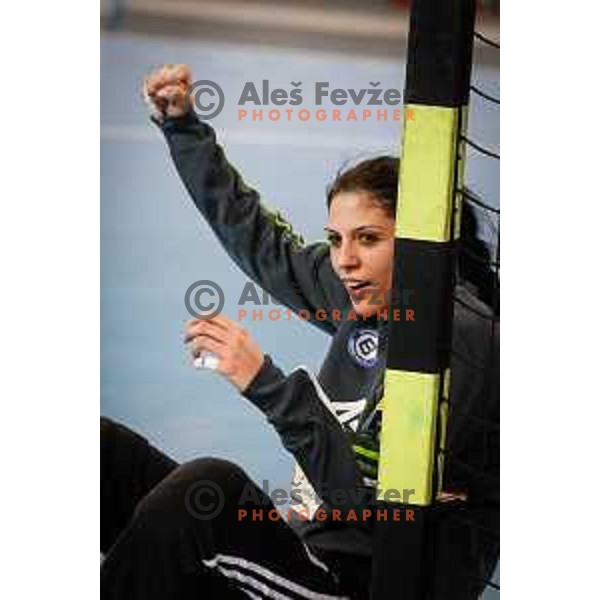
173, 531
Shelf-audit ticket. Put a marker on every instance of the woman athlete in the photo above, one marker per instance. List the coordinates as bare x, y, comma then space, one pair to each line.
158, 542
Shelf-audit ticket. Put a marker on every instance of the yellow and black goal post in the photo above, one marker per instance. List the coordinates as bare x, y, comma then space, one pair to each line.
436, 97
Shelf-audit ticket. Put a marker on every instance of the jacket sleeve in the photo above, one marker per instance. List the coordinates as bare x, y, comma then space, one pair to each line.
298, 409
260, 241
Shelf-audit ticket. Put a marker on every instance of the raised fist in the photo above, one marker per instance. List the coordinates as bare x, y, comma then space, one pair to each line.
165, 91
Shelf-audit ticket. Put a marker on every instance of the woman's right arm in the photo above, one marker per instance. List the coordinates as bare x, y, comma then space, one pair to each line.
259, 240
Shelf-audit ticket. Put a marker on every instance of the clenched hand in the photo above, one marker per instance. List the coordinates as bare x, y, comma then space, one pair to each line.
165, 91
239, 356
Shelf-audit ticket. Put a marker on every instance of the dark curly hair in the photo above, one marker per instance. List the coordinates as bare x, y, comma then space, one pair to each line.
379, 178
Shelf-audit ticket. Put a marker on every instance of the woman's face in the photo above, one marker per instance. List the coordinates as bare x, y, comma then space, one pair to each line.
361, 235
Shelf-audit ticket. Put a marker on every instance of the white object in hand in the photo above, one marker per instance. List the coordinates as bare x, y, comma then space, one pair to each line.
207, 360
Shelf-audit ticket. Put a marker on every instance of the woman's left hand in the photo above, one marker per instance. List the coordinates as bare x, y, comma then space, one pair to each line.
239, 356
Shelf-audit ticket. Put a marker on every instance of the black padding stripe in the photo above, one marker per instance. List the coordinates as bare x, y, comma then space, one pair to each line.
400, 571
440, 45
422, 345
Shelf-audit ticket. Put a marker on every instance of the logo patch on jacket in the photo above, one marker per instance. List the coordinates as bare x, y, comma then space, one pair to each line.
362, 347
